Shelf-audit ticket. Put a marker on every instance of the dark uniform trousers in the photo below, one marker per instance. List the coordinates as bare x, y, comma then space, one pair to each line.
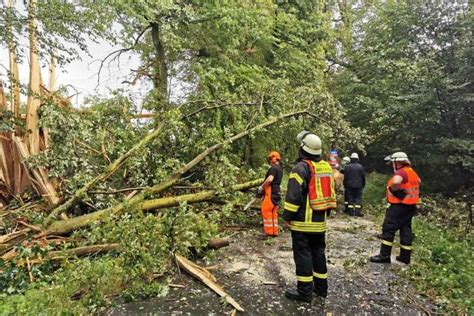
398, 217
353, 200
310, 261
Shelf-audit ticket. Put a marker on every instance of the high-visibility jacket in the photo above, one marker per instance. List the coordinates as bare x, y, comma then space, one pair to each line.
310, 193
322, 195
411, 187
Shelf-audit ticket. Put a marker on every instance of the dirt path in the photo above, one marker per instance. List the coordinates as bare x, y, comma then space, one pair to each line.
256, 273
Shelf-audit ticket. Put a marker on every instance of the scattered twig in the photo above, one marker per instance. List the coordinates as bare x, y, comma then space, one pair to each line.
36, 229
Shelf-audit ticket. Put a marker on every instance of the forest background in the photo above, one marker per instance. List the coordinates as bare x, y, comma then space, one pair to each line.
367, 76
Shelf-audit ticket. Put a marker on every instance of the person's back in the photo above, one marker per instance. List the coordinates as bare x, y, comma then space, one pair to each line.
354, 176
354, 183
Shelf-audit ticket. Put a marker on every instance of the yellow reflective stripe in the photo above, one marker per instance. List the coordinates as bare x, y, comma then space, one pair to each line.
322, 206
320, 275
386, 242
296, 177
358, 206
406, 247
315, 227
291, 207
304, 278
308, 212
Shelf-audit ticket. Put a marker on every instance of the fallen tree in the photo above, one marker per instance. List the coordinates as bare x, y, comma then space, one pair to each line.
66, 226
110, 170
175, 177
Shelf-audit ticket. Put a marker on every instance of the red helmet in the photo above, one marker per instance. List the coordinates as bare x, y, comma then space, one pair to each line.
274, 156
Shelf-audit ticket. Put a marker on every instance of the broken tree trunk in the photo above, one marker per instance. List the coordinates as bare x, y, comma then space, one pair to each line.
174, 178
39, 177
110, 170
64, 227
197, 272
33, 102
14, 74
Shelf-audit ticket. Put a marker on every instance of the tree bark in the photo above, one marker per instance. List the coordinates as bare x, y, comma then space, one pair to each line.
64, 227
173, 179
33, 103
161, 69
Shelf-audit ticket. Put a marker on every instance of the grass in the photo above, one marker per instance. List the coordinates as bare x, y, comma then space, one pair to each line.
442, 267
443, 257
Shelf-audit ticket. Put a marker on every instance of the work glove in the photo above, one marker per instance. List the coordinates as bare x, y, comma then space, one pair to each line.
260, 192
401, 194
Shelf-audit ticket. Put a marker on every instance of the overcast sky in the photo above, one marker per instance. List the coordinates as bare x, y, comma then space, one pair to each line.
82, 74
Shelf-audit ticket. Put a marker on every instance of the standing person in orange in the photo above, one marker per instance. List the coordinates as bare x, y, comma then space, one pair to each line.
403, 194
270, 191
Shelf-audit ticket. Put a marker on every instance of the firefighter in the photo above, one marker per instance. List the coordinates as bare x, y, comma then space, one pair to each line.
345, 160
270, 191
403, 195
309, 199
354, 183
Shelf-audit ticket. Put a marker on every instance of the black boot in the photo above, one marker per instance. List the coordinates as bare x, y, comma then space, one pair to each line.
351, 210
405, 256
296, 296
321, 287
380, 259
384, 256
358, 211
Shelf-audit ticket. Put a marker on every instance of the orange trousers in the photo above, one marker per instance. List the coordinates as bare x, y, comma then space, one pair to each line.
269, 214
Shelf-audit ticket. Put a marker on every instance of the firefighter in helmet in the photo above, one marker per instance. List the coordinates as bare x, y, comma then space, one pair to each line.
310, 197
403, 195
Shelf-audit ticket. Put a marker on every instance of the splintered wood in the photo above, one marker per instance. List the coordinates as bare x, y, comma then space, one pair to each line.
207, 278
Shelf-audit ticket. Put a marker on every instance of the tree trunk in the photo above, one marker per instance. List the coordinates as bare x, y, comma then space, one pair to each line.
64, 227
173, 179
161, 70
110, 170
33, 103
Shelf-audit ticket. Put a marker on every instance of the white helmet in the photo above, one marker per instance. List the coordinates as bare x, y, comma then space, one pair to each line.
398, 156
310, 143
354, 156
346, 159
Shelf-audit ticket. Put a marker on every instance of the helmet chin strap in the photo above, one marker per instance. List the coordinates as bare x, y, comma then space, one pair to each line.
394, 167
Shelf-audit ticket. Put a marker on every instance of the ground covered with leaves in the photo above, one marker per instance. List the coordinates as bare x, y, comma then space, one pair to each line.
257, 272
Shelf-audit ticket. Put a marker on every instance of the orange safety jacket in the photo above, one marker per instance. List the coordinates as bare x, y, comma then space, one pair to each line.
322, 195
411, 187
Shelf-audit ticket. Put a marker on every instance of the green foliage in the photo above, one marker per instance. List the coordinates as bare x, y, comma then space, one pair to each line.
375, 189
405, 76
442, 266
16, 278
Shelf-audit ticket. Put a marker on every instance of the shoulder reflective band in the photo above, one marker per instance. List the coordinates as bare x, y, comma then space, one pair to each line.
297, 177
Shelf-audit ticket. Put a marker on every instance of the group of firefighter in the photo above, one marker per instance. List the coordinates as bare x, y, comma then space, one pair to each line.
310, 197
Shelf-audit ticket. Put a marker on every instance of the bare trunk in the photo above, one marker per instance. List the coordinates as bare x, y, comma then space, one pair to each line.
33, 103
64, 227
161, 69
174, 178
110, 170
